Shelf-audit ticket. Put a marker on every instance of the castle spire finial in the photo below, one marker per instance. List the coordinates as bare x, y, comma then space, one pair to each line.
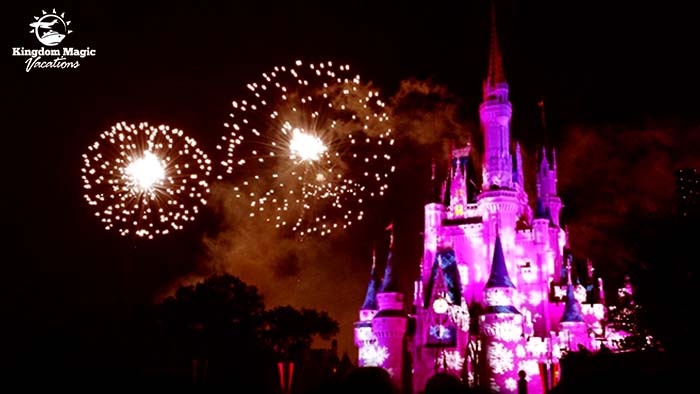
544, 164
374, 256
370, 302
495, 74
543, 119
389, 281
390, 229
572, 309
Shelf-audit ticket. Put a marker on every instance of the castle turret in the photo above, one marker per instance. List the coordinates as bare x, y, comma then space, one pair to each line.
601, 290
370, 302
365, 340
547, 186
501, 328
495, 113
434, 214
518, 175
390, 325
540, 224
572, 323
458, 183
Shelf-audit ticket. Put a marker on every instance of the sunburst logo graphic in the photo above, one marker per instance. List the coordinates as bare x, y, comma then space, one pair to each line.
50, 28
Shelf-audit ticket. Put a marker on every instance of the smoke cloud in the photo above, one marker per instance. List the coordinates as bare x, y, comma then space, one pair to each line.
611, 174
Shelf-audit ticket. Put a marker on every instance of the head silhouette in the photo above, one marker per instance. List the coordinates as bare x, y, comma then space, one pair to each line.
368, 380
443, 383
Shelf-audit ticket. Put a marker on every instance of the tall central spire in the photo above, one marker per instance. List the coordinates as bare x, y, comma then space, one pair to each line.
495, 113
495, 74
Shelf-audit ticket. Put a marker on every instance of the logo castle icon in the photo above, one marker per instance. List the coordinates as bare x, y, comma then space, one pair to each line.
50, 29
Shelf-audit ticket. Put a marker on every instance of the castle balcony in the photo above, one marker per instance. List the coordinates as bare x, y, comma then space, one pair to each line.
471, 214
500, 200
472, 210
498, 193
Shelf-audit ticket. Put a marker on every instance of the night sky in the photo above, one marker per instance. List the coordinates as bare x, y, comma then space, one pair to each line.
620, 87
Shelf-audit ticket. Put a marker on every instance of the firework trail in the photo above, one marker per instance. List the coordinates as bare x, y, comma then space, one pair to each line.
145, 180
308, 147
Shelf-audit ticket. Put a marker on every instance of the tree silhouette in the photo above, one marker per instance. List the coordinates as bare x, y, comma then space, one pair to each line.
215, 326
222, 308
289, 331
220, 328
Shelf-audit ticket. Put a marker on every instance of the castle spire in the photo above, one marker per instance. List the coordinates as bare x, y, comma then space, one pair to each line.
541, 210
543, 119
499, 272
495, 75
544, 164
370, 302
519, 177
572, 309
389, 281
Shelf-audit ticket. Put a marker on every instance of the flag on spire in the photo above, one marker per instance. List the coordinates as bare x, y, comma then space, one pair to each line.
390, 228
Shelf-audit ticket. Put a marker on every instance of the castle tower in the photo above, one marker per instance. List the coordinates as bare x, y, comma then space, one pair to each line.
499, 201
434, 214
495, 113
572, 324
500, 328
458, 197
365, 340
390, 325
547, 186
518, 174
370, 303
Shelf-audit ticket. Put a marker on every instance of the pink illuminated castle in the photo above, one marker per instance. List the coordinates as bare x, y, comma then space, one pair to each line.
498, 299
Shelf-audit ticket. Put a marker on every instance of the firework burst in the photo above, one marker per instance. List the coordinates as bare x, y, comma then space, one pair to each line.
145, 180
308, 147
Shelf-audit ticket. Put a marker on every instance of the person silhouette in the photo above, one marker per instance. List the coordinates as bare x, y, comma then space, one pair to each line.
444, 383
367, 380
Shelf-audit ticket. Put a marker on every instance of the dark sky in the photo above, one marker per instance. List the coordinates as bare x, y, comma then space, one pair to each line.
604, 68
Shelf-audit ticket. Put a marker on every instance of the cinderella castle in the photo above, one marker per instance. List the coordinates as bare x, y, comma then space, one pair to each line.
499, 298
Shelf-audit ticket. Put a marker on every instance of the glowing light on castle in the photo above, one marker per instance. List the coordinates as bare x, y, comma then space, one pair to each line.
145, 180
309, 147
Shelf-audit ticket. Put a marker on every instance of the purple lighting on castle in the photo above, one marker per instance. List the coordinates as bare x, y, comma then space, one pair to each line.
495, 252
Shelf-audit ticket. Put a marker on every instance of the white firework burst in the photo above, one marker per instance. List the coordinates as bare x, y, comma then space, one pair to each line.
145, 180
309, 146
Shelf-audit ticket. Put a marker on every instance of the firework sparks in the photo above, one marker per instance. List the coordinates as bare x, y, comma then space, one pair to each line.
145, 180
308, 147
